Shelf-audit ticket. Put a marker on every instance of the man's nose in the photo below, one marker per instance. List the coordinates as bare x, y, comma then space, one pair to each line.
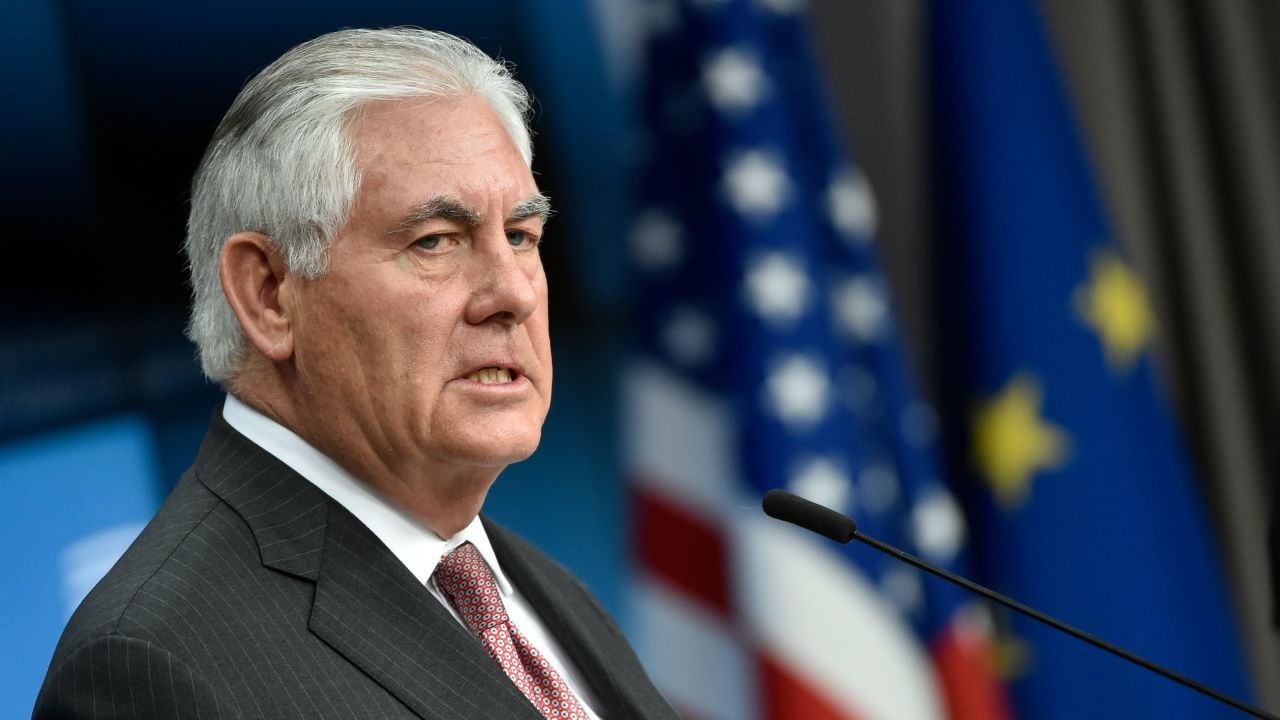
503, 283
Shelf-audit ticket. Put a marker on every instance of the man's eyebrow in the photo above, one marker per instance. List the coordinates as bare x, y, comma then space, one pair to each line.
439, 206
443, 206
535, 205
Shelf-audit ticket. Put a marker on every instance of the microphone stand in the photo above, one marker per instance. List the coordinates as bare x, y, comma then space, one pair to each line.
794, 509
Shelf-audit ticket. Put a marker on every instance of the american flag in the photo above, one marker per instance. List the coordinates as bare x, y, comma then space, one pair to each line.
767, 355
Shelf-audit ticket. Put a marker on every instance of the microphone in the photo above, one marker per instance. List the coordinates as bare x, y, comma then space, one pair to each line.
792, 508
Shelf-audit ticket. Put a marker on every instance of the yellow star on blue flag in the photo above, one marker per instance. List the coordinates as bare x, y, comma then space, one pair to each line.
1012, 441
1113, 302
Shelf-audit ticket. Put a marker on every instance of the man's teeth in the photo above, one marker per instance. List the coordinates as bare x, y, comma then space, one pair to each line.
491, 376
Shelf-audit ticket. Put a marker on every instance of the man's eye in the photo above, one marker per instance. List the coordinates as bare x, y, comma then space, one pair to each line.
430, 242
520, 238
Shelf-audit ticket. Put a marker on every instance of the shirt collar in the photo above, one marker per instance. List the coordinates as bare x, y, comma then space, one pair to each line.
413, 543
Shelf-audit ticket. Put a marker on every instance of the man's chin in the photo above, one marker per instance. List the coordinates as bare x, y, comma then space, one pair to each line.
490, 452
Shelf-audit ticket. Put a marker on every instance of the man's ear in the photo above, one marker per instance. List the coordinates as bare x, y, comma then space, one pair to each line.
253, 276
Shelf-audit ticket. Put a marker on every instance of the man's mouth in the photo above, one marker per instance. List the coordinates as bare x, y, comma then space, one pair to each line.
491, 376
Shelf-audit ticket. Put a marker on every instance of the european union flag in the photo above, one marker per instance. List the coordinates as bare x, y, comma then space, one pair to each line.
1083, 497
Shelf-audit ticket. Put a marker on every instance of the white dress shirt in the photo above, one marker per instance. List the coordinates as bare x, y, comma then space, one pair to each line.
410, 541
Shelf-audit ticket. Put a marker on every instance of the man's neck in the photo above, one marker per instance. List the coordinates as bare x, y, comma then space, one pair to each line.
443, 499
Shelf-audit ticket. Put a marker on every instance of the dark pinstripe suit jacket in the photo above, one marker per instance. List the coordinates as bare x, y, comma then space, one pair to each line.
253, 595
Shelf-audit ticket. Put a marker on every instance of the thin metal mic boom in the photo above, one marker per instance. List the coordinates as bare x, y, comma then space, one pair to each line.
811, 516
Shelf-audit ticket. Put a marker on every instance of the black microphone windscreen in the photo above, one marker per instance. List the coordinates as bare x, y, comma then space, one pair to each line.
809, 515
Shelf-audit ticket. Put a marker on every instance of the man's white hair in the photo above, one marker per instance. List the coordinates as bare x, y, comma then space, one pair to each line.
281, 162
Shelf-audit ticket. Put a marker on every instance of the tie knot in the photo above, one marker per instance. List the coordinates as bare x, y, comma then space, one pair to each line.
465, 578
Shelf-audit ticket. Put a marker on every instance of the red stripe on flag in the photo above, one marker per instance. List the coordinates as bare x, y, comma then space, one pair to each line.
966, 668
786, 696
683, 549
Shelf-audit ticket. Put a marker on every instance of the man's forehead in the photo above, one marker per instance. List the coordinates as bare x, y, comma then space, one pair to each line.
435, 129
444, 158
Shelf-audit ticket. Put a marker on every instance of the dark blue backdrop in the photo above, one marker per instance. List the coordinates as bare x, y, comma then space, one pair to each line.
101, 403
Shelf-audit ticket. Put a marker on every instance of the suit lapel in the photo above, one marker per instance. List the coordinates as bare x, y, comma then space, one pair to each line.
367, 605
286, 513
371, 609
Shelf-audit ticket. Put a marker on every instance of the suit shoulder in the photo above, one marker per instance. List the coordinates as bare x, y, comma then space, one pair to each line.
120, 676
100, 614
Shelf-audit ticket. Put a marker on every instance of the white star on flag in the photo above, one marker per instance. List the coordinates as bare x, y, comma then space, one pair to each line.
734, 81
797, 391
937, 526
756, 185
852, 206
689, 336
861, 308
823, 481
657, 242
777, 288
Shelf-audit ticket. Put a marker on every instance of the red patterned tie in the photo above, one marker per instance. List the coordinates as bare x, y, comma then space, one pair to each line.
464, 577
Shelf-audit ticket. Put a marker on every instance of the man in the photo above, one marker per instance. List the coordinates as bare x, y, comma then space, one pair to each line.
363, 243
